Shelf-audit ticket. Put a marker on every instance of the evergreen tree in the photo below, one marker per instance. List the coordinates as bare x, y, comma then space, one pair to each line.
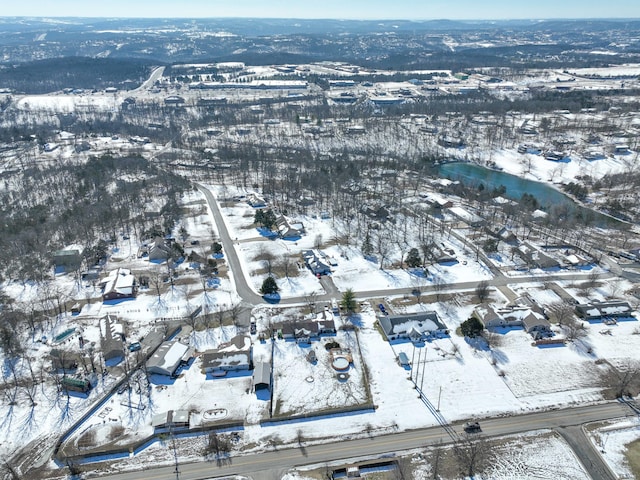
269, 286
413, 258
348, 302
367, 247
472, 327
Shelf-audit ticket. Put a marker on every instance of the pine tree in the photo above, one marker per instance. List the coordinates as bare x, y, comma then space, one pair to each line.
348, 302
269, 286
413, 258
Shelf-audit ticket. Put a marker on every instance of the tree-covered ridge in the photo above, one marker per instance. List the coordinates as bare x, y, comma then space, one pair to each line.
42, 76
50, 207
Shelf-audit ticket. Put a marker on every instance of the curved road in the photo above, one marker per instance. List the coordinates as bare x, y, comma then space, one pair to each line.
267, 464
250, 296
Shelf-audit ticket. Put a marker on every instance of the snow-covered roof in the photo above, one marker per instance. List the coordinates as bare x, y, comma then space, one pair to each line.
167, 357
120, 281
421, 323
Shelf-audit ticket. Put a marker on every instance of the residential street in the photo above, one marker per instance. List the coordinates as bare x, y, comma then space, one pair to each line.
249, 296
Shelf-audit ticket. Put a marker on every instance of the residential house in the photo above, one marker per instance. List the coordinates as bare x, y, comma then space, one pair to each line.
289, 229
316, 261
118, 284
304, 331
467, 217
69, 259
111, 339
413, 326
234, 355
436, 253
523, 312
174, 100
603, 310
168, 357
256, 201
535, 258
159, 249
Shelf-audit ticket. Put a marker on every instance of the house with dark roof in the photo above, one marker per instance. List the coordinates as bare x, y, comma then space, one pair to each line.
118, 284
68, 259
316, 262
413, 326
289, 229
535, 258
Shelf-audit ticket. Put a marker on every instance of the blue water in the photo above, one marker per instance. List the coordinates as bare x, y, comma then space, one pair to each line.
472, 174
546, 196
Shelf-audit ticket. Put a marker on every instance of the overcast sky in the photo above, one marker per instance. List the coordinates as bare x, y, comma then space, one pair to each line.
346, 9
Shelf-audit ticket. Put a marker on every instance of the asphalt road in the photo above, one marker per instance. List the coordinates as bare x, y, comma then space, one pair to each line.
148, 83
268, 464
251, 297
245, 292
586, 453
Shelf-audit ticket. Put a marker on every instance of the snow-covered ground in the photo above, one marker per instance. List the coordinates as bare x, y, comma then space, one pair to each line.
612, 440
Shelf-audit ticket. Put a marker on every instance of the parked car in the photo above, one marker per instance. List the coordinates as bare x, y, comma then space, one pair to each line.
253, 328
134, 347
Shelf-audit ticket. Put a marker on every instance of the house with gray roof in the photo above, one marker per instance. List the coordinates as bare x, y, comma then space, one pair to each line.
413, 326
168, 357
111, 334
602, 310
262, 376
235, 355
530, 317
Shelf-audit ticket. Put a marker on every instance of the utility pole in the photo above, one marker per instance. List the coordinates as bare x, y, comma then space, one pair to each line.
439, 396
175, 453
423, 368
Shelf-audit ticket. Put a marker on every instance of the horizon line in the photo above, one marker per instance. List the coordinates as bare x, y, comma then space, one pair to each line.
381, 19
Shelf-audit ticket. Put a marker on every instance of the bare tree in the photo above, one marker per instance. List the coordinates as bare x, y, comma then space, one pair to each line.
9, 472
472, 455
493, 339
482, 291
311, 298
562, 312
266, 257
591, 283
625, 379
574, 329
436, 460
287, 265
382, 248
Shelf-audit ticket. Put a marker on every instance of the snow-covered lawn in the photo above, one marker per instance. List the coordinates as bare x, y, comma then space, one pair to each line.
303, 387
612, 440
541, 455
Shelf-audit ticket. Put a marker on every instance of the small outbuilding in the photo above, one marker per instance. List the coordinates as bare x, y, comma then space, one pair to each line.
171, 418
262, 376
